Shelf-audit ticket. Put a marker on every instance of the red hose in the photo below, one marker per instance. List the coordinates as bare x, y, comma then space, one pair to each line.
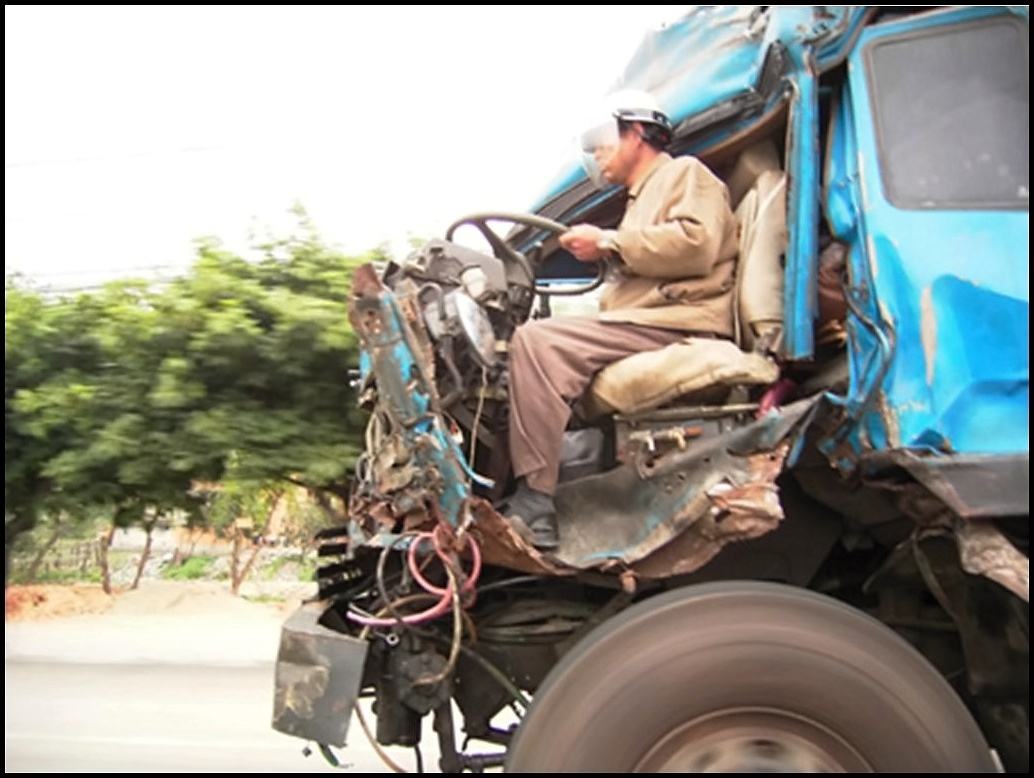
442, 606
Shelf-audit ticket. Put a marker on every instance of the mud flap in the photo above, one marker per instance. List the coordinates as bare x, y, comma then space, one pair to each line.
319, 673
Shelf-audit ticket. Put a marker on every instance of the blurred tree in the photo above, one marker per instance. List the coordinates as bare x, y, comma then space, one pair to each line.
107, 443
48, 356
242, 510
56, 527
128, 398
263, 351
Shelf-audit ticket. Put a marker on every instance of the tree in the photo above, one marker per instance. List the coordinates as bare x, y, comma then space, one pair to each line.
124, 400
264, 353
242, 510
112, 440
49, 352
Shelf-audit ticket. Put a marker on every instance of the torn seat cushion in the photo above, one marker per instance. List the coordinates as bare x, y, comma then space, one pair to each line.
651, 379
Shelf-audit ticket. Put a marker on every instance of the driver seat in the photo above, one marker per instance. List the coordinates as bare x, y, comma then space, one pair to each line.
698, 370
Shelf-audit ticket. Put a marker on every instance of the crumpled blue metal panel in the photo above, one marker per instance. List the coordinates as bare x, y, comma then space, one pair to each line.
951, 287
704, 58
710, 55
407, 394
868, 353
716, 52
714, 56
946, 292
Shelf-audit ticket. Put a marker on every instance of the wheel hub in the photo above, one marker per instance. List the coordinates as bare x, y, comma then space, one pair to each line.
752, 741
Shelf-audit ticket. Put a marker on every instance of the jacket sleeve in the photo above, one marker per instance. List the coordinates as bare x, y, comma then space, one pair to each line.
689, 231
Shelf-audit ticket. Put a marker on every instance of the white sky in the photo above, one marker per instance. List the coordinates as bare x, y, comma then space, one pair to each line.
128, 132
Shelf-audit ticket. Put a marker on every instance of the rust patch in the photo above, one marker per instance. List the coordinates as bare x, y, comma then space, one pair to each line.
374, 515
501, 545
365, 282
424, 352
302, 686
628, 581
736, 513
890, 420
983, 550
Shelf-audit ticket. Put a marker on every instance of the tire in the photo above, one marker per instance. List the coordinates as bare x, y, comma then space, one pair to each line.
746, 677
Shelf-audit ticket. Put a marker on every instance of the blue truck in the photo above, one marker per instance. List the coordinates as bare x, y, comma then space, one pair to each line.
813, 560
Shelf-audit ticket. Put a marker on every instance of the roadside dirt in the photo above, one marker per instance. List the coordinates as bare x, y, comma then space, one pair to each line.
196, 622
42, 602
48, 601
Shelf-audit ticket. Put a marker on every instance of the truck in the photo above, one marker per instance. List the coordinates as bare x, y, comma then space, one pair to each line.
805, 550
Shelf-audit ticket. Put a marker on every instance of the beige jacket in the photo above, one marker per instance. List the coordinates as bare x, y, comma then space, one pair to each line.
677, 244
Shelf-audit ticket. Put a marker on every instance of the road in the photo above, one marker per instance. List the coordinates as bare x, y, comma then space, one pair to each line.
144, 718
156, 718
155, 686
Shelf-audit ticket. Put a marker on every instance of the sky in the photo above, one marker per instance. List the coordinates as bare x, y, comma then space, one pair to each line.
131, 132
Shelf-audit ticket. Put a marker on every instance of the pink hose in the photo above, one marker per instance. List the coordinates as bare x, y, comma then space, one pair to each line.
442, 606
774, 396
414, 568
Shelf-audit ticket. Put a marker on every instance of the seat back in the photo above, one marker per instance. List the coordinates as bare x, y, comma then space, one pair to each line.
750, 164
761, 216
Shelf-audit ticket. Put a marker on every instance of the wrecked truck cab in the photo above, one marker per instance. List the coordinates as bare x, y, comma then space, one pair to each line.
863, 443
630, 481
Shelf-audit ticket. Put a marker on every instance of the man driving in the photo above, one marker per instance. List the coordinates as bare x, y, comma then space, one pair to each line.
675, 252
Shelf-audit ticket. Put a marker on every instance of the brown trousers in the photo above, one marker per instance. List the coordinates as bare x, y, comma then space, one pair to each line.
552, 362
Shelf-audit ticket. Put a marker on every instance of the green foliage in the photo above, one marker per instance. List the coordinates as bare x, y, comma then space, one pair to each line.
192, 569
242, 503
307, 570
269, 350
124, 401
47, 357
302, 568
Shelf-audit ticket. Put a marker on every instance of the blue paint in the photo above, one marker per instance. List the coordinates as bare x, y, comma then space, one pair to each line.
692, 64
716, 54
957, 278
868, 347
938, 348
412, 402
803, 213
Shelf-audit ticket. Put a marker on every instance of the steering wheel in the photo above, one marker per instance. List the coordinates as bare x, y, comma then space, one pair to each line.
507, 254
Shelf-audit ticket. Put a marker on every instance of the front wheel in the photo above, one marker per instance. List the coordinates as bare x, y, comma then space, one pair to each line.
746, 677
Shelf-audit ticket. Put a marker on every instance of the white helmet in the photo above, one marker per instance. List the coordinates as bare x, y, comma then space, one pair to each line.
619, 110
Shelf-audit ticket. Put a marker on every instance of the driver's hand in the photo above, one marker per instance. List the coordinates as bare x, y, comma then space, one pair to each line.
583, 241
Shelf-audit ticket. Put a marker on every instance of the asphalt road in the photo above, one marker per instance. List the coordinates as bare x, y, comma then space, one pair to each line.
154, 686
156, 718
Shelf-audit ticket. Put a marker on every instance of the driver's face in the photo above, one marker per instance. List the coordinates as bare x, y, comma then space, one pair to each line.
603, 155
616, 161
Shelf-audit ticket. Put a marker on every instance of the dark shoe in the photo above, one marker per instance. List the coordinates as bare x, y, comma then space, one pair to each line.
532, 514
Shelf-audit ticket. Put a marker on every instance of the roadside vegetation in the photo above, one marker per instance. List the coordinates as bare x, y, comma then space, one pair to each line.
217, 403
